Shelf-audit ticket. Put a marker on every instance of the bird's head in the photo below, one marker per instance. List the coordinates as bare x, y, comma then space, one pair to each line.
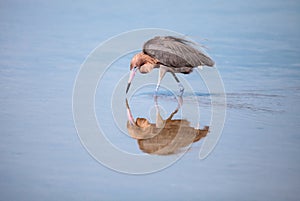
142, 62
138, 63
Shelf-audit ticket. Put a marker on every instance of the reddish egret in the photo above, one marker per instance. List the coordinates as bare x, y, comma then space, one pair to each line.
169, 54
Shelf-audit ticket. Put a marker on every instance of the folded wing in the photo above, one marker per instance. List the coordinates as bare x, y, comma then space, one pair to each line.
176, 52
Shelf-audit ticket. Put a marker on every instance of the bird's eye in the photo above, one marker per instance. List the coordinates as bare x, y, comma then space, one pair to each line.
135, 68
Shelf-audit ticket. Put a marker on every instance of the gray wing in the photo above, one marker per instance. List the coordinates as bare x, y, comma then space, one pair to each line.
176, 52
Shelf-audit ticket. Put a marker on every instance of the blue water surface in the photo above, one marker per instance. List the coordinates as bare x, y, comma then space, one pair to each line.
256, 46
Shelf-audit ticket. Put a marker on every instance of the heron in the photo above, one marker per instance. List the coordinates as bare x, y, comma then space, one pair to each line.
169, 54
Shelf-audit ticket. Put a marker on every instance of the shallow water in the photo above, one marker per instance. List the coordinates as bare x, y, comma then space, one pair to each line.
256, 47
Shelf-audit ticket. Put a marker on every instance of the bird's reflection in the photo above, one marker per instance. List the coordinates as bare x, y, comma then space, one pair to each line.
164, 137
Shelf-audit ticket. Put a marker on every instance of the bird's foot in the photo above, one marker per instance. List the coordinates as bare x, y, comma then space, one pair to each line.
156, 92
181, 89
156, 89
155, 98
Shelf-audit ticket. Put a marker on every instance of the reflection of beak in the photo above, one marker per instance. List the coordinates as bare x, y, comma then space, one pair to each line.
132, 74
129, 115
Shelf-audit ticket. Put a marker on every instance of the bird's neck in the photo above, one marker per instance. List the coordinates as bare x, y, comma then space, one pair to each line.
146, 62
146, 68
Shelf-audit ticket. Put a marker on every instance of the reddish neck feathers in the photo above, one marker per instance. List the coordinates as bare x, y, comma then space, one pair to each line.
141, 59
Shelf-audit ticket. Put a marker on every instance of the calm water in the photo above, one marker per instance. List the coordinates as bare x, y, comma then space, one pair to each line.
256, 46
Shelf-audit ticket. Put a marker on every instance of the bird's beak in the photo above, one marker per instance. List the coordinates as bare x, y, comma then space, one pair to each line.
132, 74
129, 115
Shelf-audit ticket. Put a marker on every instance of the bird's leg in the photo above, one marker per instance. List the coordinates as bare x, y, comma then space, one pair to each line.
180, 101
180, 86
162, 72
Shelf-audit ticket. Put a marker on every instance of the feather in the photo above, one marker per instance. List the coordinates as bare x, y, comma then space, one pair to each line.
176, 52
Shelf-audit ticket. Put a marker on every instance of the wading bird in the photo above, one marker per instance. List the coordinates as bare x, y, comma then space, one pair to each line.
169, 54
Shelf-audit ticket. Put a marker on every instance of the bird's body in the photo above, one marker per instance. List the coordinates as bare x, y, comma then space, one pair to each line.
169, 54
